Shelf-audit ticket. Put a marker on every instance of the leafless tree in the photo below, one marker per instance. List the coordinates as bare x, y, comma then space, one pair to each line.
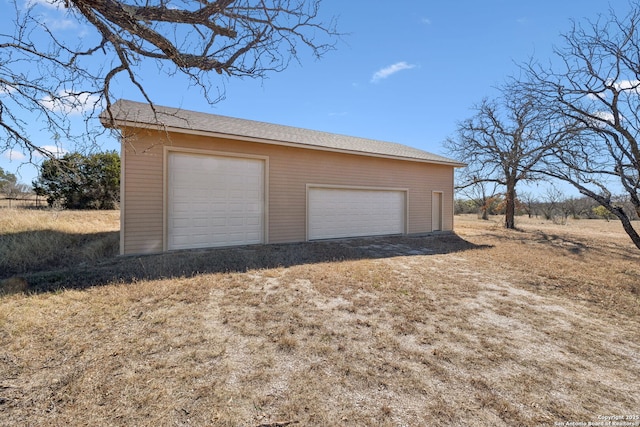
551, 204
529, 203
479, 192
502, 143
595, 87
45, 73
578, 207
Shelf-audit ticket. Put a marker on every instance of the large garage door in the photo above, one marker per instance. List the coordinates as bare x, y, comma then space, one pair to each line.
214, 201
339, 212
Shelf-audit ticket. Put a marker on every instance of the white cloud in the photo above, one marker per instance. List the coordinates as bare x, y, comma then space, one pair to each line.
70, 103
55, 15
602, 119
594, 96
631, 86
604, 116
14, 155
6, 89
426, 21
628, 85
53, 150
61, 24
49, 4
390, 70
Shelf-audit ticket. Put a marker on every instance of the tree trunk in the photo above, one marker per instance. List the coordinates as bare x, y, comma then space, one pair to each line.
510, 209
628, 227
483, 213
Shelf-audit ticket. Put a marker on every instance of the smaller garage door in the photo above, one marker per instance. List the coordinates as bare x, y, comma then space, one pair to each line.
339, 212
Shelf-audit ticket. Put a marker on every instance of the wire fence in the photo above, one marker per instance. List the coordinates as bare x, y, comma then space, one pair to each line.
29, 201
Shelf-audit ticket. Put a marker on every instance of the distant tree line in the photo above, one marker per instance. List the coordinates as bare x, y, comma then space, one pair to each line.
553, 206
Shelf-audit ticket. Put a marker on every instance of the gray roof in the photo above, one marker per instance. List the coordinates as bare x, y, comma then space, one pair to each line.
137, 114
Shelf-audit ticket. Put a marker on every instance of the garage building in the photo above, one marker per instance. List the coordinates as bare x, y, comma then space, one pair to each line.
196, 180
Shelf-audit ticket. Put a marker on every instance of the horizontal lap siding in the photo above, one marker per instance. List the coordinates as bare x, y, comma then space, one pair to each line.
290, 170
143, 196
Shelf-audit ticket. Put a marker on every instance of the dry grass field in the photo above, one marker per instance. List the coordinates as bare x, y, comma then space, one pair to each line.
486, 327
24, 201
41, 240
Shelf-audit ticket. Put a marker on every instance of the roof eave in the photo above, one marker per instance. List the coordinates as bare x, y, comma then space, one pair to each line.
119, 123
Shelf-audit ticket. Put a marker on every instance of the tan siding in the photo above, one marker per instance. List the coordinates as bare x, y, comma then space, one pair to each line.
290, 170
143, 205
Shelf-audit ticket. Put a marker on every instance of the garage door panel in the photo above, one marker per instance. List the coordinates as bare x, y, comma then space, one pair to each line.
183, 240
182, 223
198, 239
253, 221
334, 213
214, 201
199, 223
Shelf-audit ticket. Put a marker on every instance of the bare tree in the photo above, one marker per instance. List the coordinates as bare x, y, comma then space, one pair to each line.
529, 202
551, 204
10, 188
502, 143
480, 193
48, 74
595, 88
578, 207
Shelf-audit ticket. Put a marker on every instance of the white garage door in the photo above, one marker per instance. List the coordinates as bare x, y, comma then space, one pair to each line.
214, 201
338, 212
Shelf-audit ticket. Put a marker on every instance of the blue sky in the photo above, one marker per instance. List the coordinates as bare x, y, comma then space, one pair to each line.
405, 71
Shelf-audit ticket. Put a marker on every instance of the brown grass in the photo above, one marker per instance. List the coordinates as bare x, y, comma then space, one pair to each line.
25, 201
498, 328
36, 240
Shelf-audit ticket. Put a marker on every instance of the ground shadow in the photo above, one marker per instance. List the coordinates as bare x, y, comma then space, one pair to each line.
129, 269
571, 245
44, 250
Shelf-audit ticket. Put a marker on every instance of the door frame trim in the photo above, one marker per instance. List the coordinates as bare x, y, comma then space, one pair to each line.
212, 153
440, 214
357, 187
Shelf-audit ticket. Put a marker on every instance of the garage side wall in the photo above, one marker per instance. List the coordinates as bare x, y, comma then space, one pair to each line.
290, 170
141, 197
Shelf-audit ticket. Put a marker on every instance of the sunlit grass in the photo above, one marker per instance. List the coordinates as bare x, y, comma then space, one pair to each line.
35, 240
527, 327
